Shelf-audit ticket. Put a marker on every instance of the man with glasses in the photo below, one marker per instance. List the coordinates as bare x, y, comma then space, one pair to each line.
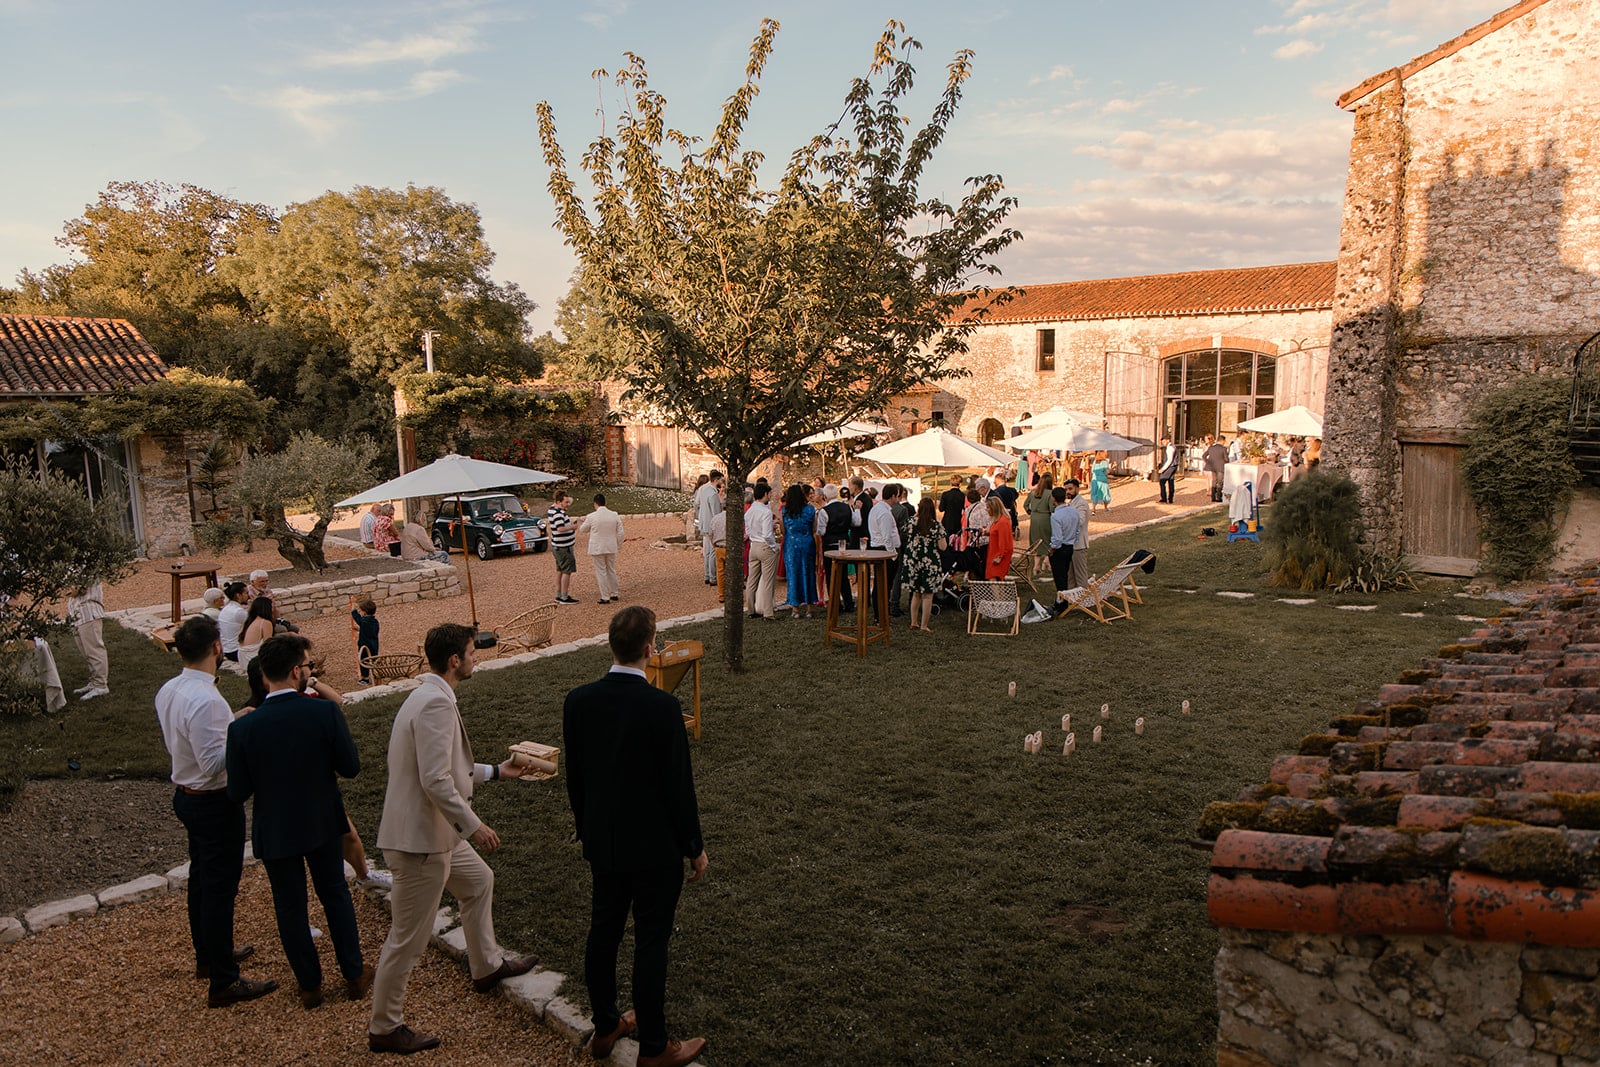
289, 754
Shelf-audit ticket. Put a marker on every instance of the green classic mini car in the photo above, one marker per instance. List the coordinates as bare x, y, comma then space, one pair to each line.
495, 522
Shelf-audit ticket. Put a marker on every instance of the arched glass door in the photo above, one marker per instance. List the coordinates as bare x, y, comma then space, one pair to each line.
1211, 391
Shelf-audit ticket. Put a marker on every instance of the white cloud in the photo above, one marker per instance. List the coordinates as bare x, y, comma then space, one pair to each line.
1297, 48
1122, 107
602, 13
1390, 22
427, 48
1057, 73
315, 109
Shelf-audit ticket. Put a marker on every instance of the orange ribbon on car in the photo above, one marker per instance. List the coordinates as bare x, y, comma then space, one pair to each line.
521, 547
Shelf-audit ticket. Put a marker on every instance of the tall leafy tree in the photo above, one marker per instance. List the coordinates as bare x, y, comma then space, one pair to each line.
310, 473
366, 272
752, 315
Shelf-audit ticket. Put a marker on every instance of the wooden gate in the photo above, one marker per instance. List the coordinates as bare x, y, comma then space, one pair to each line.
656, 456
1439, 525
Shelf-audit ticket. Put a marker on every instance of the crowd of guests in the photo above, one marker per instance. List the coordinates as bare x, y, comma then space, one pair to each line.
973, 529
629, 783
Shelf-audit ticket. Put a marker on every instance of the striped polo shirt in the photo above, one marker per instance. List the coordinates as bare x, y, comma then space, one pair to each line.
555, 519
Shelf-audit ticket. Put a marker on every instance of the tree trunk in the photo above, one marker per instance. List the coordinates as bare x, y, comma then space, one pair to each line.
303, 550
733, 582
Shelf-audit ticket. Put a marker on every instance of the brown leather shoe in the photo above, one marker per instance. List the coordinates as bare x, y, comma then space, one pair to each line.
242, 990
358, 987
510, 967
311, 998
602, 1044
202, 972
402, 1039
676, 1054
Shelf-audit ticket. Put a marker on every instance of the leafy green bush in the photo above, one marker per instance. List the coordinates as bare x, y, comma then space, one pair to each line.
1313, 535
1377, 572
1518, 469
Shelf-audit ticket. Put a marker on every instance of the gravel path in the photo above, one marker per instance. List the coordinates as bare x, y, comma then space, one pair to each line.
120, 988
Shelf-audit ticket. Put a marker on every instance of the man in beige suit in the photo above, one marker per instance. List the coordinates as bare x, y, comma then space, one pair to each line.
605, 537
427, 833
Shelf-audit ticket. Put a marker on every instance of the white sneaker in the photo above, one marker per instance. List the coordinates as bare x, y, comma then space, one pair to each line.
90, 694
381, 879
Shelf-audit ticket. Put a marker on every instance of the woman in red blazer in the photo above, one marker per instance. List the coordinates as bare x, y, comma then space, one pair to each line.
997, 561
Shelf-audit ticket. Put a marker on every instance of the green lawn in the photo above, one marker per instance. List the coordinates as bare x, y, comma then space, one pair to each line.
890, 875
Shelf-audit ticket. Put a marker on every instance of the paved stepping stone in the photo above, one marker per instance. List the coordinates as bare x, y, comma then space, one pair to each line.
1236, 596
1296, 601
1358, 607
1469, 618
1414, 614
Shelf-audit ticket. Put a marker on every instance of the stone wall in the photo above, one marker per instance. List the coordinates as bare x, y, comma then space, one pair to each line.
1311, 999
163, 489
429, 581
1470, 248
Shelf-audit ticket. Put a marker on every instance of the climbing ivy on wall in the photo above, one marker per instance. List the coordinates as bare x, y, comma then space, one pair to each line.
461, 412
184, 403
1519, 472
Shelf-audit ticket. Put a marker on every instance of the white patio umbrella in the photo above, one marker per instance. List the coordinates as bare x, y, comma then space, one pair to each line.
1057, 415
936, 448
452, 475
845, 432
1298, 421
1071, 437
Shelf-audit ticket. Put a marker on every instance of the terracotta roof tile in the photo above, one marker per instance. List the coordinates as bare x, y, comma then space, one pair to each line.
1294, 287
1438, 808
45, 356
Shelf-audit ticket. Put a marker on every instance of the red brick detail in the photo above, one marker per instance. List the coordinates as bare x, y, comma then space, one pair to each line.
1385, 783
1253, 850
1560, 777
1402, 908
1452, 781
1250, 344
45, 355
1410, 755
1257, 904
1424, 812
1485, 908
1500, 753
1285, 767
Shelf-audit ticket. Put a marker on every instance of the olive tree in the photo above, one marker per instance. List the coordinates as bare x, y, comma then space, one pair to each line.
754, 315
311, 473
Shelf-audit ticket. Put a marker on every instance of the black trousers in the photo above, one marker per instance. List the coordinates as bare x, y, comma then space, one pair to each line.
216, 860
287, 875
652, 895
1167, 491
847, 600
1061, 568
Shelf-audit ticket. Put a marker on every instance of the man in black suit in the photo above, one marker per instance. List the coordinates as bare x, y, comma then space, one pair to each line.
631, 787
288, 752
952, 502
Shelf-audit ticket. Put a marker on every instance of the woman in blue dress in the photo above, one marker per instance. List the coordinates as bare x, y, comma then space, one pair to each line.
799, 550
1100, 482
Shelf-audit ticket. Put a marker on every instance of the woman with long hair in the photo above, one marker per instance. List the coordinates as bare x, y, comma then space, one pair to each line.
1038, 506
257, 628
921, 571
1100, 482
997, 561
799, 550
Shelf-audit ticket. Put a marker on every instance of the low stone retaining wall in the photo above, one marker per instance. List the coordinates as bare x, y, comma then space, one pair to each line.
428, 581
1320, 998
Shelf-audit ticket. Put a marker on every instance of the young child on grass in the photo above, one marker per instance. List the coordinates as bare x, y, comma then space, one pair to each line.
365, 615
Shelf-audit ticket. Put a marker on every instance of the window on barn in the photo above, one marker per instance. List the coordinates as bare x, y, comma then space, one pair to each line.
1046, 349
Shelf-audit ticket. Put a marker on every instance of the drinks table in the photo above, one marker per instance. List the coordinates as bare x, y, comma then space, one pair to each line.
191, 568
872, 572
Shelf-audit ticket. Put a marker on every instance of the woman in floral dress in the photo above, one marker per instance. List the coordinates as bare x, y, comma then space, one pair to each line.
922, 572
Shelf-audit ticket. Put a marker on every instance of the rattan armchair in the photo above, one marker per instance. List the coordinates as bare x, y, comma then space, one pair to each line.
534, 628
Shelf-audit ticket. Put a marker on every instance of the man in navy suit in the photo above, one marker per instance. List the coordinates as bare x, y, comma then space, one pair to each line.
287, 753
631, 787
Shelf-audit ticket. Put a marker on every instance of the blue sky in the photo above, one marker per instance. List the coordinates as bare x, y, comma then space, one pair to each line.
1140, 136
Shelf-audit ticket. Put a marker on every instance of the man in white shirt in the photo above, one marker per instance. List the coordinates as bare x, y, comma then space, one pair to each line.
758, 529
85, 609
604, 527
194, 726
230, 620
883, 532
708, 512
369, 519
427, 833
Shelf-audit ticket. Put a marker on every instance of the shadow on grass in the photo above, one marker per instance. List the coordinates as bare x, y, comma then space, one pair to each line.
888, 869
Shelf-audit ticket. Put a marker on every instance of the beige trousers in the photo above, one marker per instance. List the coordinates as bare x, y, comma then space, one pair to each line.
1078, 570
763, 577
419, 879
605, 574
92, 643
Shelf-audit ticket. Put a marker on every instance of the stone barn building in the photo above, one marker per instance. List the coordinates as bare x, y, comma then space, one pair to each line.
1186, 354
1469, 255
